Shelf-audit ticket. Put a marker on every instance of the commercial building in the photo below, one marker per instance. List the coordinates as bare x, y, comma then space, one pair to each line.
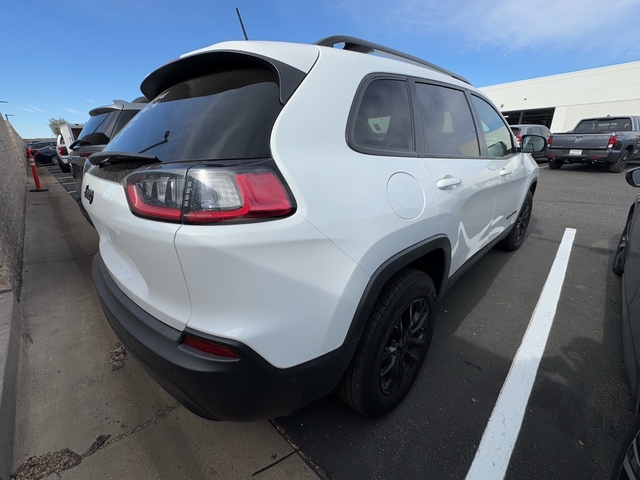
560, 101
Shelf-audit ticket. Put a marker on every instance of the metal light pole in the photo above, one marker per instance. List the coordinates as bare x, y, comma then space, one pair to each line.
7, 115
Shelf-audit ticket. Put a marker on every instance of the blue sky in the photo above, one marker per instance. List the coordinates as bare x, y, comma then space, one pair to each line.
63, 58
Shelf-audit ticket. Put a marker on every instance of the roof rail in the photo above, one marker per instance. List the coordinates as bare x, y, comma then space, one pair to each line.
362, 46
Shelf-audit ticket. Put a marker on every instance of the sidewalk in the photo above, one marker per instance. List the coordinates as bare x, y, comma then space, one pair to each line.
87, 404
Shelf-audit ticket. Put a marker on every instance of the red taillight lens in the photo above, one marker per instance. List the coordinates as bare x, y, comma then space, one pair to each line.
612, 140
62, 150
209, 346
518, 137
207, 195
549, 141
85, 154
156, 194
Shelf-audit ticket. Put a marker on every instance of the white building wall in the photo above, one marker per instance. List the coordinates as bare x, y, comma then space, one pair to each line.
613, 90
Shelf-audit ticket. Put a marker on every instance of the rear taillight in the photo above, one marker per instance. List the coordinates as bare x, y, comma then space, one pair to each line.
85, 154
612, 140
62, 150
518, 137
207, 195
210, 347
549, 140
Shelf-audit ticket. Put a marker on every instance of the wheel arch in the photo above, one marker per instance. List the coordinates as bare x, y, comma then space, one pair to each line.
431, 256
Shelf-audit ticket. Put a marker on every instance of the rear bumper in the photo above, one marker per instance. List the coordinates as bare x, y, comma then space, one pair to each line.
588, 156
216, 388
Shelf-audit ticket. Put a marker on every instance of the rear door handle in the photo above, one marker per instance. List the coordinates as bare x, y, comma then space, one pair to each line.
505, 171
448, 182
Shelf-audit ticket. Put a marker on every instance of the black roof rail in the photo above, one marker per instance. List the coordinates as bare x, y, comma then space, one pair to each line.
363, 46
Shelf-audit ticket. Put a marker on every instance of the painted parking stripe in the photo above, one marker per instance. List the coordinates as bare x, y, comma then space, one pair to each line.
499, 438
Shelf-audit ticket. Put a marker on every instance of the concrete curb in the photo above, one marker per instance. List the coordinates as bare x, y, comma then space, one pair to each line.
10, 335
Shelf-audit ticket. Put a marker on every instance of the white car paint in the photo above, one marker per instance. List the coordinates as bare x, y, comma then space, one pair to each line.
289, 288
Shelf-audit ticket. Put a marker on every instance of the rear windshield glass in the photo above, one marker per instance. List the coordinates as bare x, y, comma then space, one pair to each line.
225, 115
98, 129
604, 126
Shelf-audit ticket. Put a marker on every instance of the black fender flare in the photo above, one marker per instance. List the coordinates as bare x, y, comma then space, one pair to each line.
410, 256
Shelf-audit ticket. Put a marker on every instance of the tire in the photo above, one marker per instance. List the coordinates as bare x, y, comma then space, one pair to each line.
393, 346
64, 167
621, 251
619, 165
626, 464
516, 236
555, 164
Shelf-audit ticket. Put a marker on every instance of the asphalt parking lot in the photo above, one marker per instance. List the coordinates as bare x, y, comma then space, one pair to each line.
74, 391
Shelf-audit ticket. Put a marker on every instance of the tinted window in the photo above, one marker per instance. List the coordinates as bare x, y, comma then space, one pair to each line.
495, 131
384, 116
604, 126
99, 128
224, 115
446, 121
123, 119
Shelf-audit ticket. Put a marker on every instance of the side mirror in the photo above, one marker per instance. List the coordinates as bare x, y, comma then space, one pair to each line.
533, 144
633, 177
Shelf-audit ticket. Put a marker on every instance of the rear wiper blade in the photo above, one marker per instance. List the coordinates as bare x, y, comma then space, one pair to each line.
109, 158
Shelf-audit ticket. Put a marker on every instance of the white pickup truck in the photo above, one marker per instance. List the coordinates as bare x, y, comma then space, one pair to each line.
69, 132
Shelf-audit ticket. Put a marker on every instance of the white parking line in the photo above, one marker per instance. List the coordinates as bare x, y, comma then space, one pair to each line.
500, 435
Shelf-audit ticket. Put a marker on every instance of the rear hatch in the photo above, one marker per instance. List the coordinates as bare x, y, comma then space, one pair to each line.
204, 138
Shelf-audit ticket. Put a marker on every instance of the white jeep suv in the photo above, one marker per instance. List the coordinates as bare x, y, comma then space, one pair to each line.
280, 220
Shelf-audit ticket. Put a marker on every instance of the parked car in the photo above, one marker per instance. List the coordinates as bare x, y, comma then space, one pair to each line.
627, 264
62, 155
68, 134
627, 463
282, 219
33, 146
104, 123
521, 130
45, 154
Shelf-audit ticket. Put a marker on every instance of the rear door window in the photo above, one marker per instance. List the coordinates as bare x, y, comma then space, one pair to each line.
447, 122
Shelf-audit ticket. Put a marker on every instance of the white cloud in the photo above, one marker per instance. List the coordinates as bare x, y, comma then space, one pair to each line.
509, 26
32, 109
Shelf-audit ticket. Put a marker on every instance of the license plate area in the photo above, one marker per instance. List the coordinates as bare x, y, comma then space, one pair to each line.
575, 152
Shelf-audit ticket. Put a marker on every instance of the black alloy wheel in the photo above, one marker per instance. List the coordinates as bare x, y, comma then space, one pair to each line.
393, 345
400, 356
516, 236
